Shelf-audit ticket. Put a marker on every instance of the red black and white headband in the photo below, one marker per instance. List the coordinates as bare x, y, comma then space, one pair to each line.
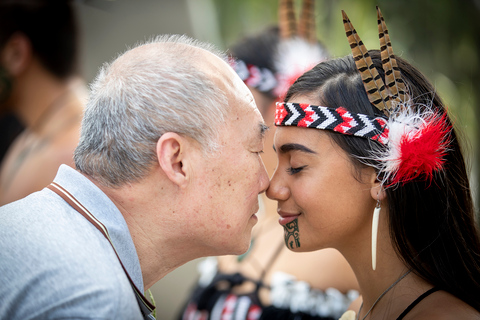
416, 140
339, 120
262, 79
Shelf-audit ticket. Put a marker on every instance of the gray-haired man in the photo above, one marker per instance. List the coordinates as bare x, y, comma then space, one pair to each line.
167, 170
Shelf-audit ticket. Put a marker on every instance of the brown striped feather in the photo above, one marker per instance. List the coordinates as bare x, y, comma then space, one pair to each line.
393, 79
287, 23
372, 81
306, 25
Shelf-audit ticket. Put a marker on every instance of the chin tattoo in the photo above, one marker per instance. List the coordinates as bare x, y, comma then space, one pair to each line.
292, 239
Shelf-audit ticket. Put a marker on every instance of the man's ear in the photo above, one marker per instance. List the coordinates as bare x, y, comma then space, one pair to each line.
16, 54
170, 153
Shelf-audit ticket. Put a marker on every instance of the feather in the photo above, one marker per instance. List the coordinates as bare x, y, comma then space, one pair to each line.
417, 145
287, 23
393, 79
294, 57
306, 25
371, 79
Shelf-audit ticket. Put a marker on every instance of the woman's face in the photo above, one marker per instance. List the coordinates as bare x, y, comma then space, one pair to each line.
321, 201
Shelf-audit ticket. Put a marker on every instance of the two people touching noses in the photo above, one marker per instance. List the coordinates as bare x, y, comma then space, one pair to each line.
168, 169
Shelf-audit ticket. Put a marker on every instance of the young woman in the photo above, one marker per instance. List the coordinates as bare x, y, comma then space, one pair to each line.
383, 181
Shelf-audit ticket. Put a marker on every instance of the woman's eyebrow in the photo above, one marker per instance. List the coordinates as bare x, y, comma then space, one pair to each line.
294, 147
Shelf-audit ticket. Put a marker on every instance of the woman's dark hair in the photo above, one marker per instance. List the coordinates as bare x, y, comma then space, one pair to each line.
432, 223
50, 26
259, 49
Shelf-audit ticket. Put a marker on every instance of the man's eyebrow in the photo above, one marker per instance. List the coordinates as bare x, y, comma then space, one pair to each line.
263, 129
294, 147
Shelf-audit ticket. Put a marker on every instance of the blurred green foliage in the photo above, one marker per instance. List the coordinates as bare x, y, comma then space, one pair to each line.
441, 38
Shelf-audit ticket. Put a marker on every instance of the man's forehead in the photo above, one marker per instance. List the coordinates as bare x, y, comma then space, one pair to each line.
252, 123
220, 73
171, 52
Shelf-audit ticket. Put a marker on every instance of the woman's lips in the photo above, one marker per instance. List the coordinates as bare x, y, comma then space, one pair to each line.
287, 218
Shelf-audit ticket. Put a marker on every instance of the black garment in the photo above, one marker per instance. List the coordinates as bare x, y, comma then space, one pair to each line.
10, 128
414, 303
273, 313
217, 298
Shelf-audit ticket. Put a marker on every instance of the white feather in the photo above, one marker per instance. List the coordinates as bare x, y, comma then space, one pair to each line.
403, 122
294, 57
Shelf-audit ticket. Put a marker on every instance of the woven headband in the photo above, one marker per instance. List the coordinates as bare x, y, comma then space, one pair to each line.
262, 79
339, 120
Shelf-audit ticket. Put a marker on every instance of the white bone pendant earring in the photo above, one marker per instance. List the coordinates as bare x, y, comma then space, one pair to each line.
376, 216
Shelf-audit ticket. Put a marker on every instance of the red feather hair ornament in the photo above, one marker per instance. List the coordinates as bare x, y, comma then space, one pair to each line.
417, 144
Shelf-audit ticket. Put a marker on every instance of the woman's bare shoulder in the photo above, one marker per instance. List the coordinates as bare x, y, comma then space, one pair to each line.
443, 306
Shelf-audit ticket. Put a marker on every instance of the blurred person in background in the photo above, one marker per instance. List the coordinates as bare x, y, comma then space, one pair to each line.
270, 281
41, 96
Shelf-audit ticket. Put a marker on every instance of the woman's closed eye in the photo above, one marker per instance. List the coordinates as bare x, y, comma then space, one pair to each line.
293, 170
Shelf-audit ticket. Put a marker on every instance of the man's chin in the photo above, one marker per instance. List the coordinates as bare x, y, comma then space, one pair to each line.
243, 250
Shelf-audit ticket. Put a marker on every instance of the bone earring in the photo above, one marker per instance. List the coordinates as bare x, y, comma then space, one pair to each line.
376, 216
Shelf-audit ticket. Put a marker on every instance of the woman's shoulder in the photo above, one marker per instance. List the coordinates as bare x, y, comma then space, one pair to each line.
443, 306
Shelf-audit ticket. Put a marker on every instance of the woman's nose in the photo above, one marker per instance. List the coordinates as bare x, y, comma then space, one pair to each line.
277, 190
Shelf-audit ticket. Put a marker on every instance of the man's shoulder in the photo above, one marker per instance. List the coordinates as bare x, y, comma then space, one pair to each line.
36, 215
43, 226
50, 255
50, 294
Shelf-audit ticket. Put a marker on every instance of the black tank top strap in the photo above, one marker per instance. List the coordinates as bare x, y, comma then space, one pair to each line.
417, 301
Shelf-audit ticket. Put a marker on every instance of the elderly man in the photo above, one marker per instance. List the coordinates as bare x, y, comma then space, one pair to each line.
167, 170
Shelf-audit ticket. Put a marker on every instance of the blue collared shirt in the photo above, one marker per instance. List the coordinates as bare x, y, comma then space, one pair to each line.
56, 264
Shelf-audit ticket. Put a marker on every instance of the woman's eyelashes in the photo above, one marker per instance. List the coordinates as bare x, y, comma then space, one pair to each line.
293, 170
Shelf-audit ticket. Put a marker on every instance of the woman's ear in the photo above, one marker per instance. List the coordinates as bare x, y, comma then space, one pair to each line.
171, 149
17, 54
378, 192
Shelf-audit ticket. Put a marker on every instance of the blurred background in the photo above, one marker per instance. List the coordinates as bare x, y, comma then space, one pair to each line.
441, 38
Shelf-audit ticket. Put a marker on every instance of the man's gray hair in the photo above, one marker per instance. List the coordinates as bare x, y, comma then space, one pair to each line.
133, 101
